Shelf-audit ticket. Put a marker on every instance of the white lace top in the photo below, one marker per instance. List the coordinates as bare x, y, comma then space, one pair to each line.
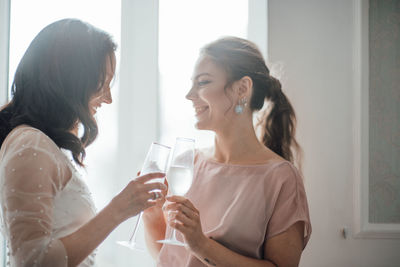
42, 199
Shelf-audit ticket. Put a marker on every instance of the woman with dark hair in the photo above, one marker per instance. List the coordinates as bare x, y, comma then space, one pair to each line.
247, 205
47, 214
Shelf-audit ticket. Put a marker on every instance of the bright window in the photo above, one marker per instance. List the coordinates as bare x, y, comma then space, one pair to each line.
186, 26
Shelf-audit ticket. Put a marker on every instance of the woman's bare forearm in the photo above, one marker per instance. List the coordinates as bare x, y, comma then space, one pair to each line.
214, 254
154, 228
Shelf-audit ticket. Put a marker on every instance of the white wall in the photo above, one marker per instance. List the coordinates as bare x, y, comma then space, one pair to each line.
137, 120
4, 34
314, 40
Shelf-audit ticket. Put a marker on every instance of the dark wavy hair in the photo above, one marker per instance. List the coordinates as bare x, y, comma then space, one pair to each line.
239, 58
63, 67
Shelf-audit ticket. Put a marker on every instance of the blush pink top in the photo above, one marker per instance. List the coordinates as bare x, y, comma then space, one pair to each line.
242, 206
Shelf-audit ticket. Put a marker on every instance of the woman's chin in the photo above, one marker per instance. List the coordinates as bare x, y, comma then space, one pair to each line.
201, 126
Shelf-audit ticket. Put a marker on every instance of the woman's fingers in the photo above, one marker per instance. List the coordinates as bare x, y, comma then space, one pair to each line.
139, 195
182, 208
185, 218
178, 226
182, 200
182, 218
183, 211
149, 196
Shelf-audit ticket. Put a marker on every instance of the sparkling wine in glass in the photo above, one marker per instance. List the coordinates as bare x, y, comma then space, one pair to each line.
156, 161
180, 176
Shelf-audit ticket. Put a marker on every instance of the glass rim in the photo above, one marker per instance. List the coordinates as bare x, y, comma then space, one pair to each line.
157, 143
185, 138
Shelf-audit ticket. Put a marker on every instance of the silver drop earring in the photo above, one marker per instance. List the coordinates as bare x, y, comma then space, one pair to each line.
240, 106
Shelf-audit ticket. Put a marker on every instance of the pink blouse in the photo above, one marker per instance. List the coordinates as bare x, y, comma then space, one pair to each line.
241, 206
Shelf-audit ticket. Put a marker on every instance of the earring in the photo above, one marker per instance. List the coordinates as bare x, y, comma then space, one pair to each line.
240, 106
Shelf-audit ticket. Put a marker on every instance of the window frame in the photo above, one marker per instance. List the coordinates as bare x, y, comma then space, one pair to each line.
362, 227
4, 49
4, 52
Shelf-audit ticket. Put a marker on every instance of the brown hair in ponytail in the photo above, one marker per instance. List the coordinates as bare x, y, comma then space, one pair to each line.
280, 123
239, 58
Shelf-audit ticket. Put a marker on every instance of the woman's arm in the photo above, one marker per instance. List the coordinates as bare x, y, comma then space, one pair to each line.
154, 229
134, 198
154, 225
281, 250
31, 179
285, 249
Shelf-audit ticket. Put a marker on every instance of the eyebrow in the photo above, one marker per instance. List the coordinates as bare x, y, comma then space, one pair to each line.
201, 74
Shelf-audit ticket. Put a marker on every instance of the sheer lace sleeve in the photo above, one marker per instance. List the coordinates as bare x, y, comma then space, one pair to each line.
30, 177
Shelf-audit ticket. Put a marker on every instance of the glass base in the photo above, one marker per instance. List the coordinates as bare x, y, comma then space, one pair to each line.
131, 245
172, 242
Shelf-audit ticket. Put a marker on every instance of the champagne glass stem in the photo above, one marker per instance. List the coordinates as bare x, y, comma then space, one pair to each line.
173, 237
132, 239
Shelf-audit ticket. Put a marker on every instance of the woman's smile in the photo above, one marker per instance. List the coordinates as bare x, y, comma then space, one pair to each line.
200, 110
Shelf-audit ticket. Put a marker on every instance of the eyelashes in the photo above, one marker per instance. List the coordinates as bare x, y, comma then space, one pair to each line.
202, 83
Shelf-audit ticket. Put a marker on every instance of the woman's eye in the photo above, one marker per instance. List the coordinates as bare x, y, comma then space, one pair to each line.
201, 83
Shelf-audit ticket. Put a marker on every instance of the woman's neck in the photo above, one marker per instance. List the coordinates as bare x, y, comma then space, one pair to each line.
238, 145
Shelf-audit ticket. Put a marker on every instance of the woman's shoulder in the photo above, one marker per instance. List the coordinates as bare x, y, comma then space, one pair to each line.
30, 149
203, 154
284, 173
264, 164
25, 137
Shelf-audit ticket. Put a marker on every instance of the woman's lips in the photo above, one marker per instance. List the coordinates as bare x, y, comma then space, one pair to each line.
200, 110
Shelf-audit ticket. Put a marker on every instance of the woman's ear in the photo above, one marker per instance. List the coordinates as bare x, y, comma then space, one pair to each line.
244, 87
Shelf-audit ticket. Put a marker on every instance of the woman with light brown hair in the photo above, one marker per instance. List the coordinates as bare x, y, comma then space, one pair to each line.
247, 205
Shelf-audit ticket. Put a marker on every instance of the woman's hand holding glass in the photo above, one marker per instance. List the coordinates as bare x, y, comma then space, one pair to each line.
137, 196
158, 207
156, 161
180, 176
184, 217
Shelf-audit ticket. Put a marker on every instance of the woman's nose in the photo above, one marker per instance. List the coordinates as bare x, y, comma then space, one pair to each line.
191, 94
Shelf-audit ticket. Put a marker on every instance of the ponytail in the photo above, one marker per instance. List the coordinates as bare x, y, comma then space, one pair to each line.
280, 123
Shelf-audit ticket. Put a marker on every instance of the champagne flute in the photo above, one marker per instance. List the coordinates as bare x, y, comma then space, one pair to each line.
180, 176
156, 161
